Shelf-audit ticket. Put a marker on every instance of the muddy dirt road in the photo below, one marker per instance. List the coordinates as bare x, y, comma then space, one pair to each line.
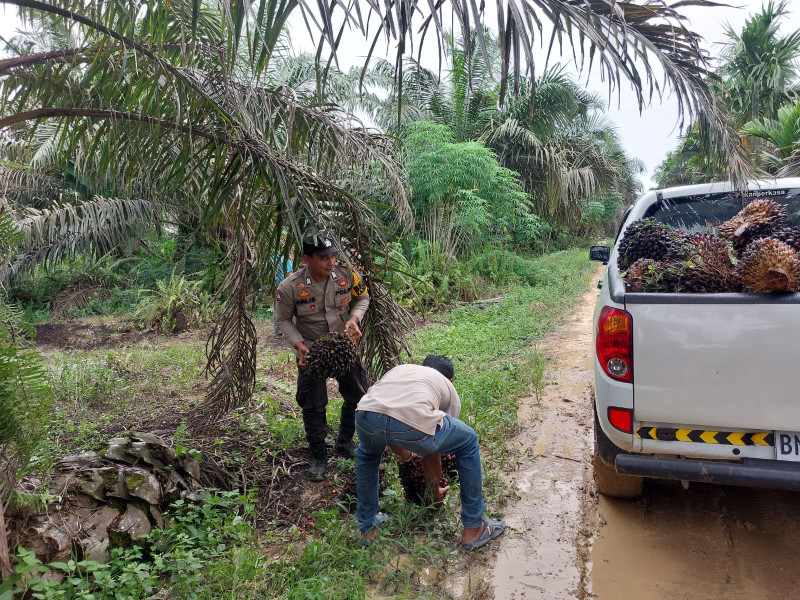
564, 541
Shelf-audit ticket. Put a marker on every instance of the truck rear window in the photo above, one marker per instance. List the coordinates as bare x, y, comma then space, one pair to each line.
707, 211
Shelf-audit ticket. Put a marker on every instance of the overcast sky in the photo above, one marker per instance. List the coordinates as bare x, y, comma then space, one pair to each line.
648, 136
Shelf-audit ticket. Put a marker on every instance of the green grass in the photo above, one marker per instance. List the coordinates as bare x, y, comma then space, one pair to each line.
496, 364
493, 348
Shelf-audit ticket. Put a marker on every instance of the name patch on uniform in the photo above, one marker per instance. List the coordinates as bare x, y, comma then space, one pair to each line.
340, 292
304, 293
305, 301
278, 297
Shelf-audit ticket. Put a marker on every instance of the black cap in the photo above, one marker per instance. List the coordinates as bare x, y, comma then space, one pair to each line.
318, 244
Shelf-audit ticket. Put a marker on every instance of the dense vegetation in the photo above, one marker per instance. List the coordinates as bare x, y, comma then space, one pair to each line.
159, 162
758, 82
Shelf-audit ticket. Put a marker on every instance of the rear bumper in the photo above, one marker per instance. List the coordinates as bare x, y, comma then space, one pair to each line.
750, 472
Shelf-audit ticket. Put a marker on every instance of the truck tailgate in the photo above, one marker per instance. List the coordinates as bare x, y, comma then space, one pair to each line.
717, 365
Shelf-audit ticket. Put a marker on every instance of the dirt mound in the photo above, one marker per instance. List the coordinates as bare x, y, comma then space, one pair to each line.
80, 335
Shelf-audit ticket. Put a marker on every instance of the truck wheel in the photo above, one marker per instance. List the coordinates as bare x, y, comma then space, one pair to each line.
612, 484
609, 482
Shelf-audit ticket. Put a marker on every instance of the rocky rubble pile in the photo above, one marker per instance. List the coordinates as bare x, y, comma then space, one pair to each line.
105, 499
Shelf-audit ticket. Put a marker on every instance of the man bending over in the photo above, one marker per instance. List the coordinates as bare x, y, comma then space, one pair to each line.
414, 410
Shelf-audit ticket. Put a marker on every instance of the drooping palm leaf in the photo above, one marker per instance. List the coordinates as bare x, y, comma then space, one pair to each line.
161, 106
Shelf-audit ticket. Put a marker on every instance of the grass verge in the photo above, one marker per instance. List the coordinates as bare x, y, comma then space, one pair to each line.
493, 347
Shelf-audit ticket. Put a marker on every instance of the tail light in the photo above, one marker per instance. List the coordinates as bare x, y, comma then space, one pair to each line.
621, 418
615, 344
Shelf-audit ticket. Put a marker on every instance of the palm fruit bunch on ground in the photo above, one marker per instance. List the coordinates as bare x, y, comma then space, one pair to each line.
759, 219
412, 477
647, 238
332, 355
769, 265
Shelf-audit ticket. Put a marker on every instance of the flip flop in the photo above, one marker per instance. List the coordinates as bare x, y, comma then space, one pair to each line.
492, 528
380, 522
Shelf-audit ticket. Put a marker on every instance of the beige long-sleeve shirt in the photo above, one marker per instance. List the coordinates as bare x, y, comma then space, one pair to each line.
318, 308
416, 395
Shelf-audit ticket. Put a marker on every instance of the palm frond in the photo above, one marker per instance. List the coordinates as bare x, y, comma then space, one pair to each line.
98, 225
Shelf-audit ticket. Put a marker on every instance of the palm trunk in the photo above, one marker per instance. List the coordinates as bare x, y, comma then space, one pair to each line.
5, 559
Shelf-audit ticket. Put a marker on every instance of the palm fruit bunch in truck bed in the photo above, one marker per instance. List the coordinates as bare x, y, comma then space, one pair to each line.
788, 235
758, 219
332, 355
754, 252
647, 238
769, 265
708, 266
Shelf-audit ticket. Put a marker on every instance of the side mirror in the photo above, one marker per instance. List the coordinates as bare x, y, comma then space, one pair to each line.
600, 253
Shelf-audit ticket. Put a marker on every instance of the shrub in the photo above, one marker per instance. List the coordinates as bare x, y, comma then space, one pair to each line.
504, 267
176, 305
437, 278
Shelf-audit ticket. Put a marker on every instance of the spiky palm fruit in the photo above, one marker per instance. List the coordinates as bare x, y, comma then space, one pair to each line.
789, 236
638, 273
332, 355
646, 238
758, 219
768, 266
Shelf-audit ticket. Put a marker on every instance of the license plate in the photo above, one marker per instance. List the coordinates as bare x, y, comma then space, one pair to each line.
787, 445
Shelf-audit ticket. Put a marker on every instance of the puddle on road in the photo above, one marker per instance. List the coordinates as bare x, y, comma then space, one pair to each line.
705, 542
540, 554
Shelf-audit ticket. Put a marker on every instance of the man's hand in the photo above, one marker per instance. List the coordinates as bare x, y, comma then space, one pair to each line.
439, 492
302, 351
352, 329
432, 468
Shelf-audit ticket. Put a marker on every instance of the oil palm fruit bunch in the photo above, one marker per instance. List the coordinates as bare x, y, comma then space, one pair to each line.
664, 276
758, 219
647, 238
709, 268
638, 274
412, 477
789, 236
332, 355
768, 265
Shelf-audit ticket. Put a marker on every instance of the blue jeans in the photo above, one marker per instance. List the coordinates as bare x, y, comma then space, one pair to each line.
376, 430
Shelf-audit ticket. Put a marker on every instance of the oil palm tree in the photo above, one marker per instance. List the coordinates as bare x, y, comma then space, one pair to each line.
163, 110
171, 100
760, 66
783, 139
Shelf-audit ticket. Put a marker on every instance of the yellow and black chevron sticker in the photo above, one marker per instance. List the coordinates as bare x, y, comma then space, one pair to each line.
728, 438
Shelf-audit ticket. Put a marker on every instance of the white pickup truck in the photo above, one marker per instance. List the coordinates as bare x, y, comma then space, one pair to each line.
697, 387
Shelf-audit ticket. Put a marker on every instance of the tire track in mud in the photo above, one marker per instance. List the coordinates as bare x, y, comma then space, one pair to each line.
543, 553
565, 541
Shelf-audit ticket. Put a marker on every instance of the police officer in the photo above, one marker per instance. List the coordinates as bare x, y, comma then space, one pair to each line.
323, 298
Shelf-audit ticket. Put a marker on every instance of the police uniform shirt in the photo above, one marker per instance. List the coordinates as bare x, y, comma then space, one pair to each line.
319, 308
